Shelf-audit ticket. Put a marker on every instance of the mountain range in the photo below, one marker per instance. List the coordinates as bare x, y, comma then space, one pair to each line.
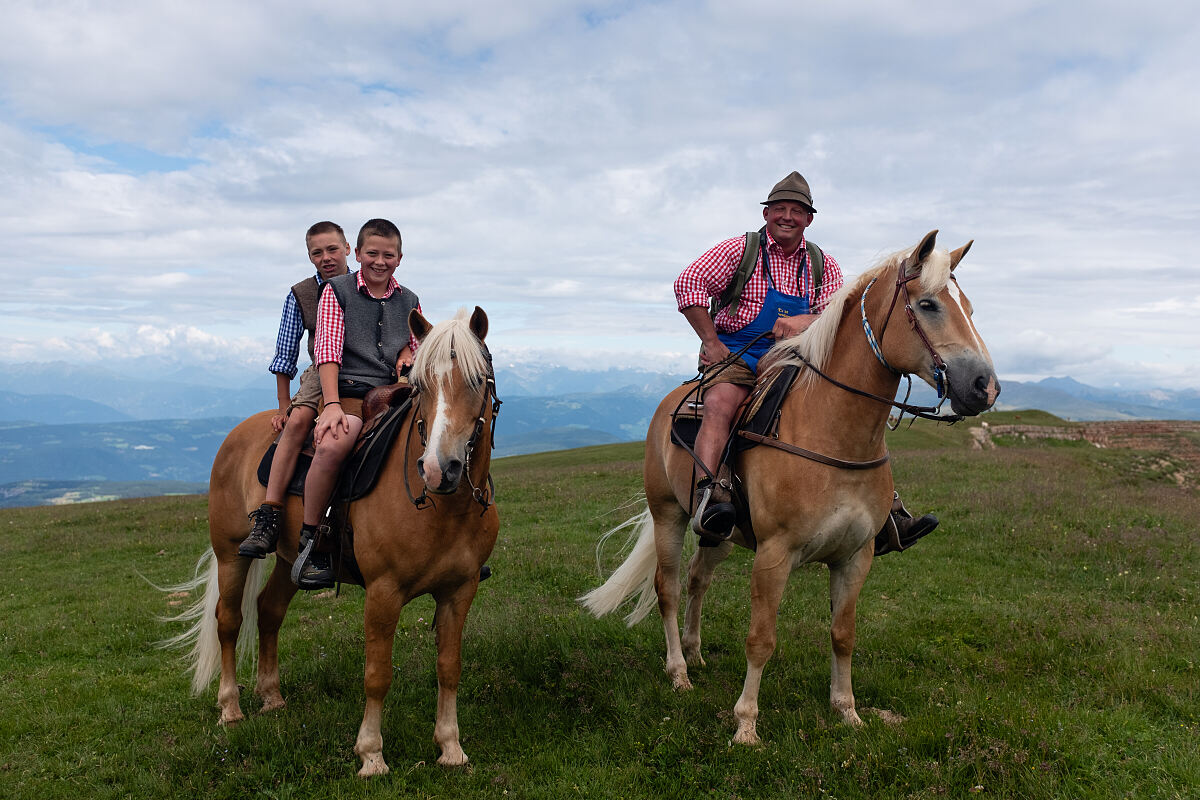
88, 424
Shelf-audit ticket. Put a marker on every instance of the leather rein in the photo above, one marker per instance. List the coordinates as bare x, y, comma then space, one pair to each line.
480, 494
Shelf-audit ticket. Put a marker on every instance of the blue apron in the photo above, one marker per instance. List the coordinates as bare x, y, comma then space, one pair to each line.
775, 305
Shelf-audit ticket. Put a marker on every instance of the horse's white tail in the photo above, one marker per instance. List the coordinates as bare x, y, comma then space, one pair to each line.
636, 573
203, 657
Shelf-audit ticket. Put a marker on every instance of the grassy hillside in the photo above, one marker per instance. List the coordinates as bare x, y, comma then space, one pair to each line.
1042, 644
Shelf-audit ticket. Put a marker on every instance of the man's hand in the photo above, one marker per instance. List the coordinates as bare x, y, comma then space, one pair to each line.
713, 352
280, 419
786, 327
331, 420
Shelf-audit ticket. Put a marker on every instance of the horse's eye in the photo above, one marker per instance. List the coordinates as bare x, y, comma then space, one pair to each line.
927, 305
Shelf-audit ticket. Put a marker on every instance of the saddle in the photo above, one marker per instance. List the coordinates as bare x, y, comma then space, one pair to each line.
384, 410
759, 417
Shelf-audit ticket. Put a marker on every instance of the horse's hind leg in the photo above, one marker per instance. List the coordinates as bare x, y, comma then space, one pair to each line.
700, 574
231, 582
382, 611
845, 583
272, 606
450, 618
669, 527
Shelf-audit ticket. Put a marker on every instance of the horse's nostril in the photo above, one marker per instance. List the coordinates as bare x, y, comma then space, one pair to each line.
453, 471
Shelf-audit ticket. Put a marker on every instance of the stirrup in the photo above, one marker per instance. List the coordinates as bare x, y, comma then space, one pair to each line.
713, 521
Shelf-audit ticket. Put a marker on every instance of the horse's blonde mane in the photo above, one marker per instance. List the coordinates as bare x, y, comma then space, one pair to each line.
450, 344
816, 343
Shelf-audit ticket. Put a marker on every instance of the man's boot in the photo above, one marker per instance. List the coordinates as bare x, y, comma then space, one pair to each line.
312, 570
714, 515
265, 532
901, 531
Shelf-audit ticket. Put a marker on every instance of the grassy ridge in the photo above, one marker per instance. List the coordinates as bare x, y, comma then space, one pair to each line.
1042, 644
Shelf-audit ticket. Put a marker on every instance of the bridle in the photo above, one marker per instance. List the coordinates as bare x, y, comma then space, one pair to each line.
480, 494
940, 370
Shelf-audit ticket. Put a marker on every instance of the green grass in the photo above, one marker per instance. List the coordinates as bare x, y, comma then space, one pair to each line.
1043, 643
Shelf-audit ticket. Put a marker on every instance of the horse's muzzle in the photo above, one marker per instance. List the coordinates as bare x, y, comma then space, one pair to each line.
441, 479
972, 387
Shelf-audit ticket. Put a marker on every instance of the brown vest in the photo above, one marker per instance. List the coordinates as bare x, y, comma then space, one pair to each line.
308, 293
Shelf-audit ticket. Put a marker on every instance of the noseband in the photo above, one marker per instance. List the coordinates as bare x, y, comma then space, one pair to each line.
480, 494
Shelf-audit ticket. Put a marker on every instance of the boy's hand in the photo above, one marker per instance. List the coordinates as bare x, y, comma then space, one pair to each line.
332, 418
404, 359
279, 420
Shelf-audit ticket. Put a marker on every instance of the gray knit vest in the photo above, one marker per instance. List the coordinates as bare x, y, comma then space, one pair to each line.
376, 330
307, 293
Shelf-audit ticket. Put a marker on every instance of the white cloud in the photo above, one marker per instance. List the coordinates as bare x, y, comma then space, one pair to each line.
559, 163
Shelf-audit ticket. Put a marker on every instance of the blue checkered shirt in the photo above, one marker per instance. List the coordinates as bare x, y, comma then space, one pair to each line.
287, 342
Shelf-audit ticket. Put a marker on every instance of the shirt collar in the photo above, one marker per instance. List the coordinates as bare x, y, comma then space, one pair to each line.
393, 285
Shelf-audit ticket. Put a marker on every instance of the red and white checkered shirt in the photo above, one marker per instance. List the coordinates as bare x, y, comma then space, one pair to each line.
709, 274
331, 323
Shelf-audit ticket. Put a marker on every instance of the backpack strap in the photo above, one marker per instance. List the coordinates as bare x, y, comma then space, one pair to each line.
733, 292
816, 262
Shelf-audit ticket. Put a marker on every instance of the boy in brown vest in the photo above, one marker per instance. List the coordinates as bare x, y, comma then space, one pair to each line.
328, 251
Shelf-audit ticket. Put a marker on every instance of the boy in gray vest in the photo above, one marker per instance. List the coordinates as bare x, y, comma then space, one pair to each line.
362, 341
328, 251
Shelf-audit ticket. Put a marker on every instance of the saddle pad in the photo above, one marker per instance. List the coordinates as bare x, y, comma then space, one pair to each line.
303, 462
361, 470
761, 413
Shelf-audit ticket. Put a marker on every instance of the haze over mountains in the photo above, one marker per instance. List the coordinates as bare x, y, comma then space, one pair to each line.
71, 423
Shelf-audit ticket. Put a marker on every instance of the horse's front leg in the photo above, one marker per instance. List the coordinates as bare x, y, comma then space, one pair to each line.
845, 582
272, 606
700, 574
231, 582
451, 617
772, 565
382, 611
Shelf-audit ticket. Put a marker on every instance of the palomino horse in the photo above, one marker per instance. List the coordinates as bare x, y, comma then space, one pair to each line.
404, 546
802, 510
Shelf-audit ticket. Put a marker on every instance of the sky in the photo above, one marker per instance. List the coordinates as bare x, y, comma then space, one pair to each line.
558, 162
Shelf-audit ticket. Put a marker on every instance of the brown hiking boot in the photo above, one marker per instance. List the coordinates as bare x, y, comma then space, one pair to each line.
264, 534
714, 515
901, 531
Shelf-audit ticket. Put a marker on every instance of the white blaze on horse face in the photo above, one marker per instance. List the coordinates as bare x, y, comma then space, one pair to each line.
431, 465
956, 295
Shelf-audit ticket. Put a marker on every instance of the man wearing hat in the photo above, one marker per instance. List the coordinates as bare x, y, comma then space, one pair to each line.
780, 300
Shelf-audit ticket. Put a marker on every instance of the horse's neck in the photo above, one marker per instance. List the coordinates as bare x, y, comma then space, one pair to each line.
826, 413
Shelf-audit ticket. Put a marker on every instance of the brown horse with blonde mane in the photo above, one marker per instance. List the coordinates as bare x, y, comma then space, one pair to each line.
405, 546
822, 489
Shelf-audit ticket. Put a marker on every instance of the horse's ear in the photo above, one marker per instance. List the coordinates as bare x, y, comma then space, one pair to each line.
419, 326
920, 252
957, 255
479, 323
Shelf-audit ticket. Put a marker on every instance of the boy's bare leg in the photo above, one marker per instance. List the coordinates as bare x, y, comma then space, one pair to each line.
287, 450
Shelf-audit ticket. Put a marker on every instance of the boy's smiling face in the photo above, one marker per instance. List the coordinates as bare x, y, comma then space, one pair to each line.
378, 257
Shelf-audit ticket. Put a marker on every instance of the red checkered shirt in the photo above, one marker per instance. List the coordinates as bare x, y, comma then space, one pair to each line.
331, 323
709, 274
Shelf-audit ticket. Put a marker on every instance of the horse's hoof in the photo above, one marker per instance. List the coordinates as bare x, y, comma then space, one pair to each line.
453, 758
681, 683
373, 765
746, 735
229, 719
272, 704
